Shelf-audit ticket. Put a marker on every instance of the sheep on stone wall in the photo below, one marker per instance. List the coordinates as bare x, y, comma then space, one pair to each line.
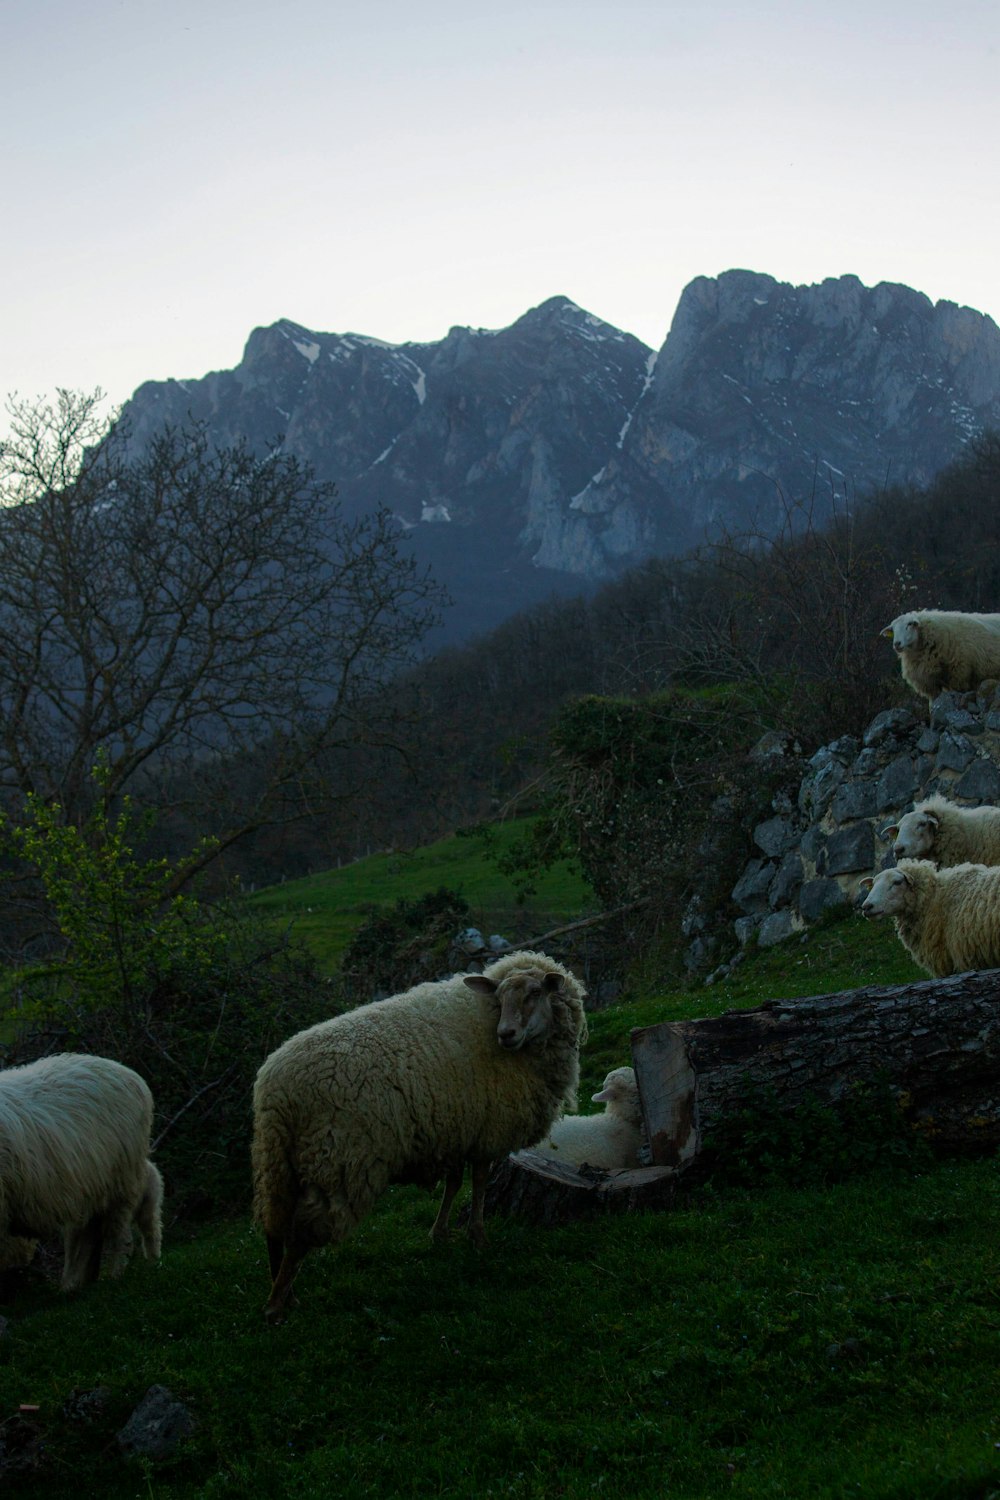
409, 1089
610, 1140
74, 1146
947, 920
947, 834
941, 648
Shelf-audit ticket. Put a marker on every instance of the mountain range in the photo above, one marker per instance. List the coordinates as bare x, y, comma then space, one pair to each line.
548, 456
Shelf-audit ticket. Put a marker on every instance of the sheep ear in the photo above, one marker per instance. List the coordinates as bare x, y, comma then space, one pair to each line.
889, 831
552, 981
907, 877
932, 819
866, 882
887, 632
481, 983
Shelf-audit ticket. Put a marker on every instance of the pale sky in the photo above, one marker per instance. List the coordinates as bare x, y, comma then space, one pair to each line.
178, 173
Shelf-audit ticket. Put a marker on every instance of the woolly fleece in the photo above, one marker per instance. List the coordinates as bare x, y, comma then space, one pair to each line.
947, 920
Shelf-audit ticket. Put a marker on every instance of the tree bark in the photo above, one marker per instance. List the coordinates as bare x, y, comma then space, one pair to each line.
936, 1043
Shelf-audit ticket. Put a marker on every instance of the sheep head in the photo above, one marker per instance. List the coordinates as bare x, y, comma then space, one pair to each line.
525, 1001
904, 633
888, 894
913, 836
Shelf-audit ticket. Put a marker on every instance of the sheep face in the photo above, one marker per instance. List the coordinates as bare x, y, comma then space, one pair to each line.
525, 1000
619, 1086
904, 634
914, 835
888, 894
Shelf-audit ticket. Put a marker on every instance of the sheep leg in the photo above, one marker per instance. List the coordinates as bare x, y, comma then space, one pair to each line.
480, 1175
82, 1254
452, 1183
281, 1297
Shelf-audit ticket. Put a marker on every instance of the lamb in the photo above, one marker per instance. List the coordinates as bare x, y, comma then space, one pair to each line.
947, 920
610, 1140
409, 1089
74, 1146
948, 834
943, 648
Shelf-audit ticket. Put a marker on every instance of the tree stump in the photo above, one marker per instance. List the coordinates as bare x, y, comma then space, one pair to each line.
935, 1043
548, 1192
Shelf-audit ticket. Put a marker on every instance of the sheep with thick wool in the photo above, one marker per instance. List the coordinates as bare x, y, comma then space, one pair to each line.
944, 648
74, 1149
947, 920
947, 834
409, 1089
610, 1140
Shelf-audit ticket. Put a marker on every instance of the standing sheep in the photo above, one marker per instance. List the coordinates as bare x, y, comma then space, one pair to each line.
409, 1089
610, 1140
74, 1146
944, 648
948, 834
947, 920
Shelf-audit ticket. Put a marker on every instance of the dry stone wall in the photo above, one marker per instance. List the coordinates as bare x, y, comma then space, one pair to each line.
813, 851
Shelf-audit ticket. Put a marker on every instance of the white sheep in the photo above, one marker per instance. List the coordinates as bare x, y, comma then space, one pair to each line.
74, 1146
610, 1140
409, 1089
947, 920
946, 833
944, 648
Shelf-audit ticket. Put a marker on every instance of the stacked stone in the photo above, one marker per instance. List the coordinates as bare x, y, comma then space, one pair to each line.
813, 853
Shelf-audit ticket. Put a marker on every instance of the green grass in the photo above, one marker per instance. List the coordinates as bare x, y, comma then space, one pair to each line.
823, 1343
326, 910
839, 1340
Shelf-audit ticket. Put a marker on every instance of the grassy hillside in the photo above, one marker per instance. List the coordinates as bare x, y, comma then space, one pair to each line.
326, 910
837, 1340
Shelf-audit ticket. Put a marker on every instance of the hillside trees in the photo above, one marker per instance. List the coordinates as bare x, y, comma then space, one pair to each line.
210, 624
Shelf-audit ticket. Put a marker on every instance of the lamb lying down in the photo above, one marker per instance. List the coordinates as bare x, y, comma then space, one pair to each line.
610, 1140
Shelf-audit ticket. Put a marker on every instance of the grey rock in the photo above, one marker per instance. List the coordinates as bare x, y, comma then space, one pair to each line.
867, 763
981, 782
851, 848
772, 746
893, 721
817, 790
948, 711
750, 891
744, 928
855, 799
928, 741
775, 928
158, 1425
955, 752
775, 836
818, 896
992, 722
785, 885
897, 784
845, 748
813, 843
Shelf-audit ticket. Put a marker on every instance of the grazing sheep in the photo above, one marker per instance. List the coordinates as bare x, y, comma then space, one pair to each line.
409, 1089
610, 1140
74, 1142
947, 920
944, 648
942, 831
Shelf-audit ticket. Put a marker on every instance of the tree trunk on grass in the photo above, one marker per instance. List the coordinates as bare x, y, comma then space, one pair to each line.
936, 1045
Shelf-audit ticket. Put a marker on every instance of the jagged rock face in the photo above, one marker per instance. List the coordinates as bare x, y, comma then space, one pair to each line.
560, 450
764, 389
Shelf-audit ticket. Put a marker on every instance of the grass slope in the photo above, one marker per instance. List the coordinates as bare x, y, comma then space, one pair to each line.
837, 1340
326, 910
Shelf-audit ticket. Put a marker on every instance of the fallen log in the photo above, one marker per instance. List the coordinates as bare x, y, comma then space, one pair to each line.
935, 1044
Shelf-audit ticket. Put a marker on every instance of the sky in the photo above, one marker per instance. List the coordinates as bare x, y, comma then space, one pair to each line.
176, 174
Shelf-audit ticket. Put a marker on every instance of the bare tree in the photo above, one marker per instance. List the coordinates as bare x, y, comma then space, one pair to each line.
205, 622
